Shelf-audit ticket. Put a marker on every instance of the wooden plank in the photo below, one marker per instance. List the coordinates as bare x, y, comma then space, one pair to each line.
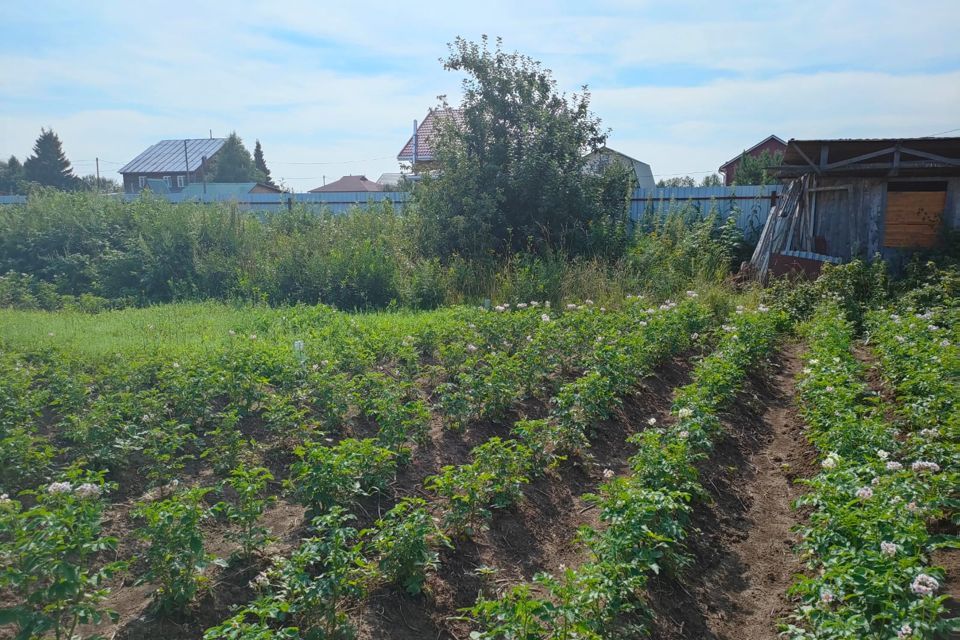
860, 158
914, 218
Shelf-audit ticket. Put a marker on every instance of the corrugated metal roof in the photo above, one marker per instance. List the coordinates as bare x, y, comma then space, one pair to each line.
168, 155
350, 184
426, 132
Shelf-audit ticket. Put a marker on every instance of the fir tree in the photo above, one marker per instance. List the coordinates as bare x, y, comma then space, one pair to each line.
233, 163
11, 175
261, 164
49, 165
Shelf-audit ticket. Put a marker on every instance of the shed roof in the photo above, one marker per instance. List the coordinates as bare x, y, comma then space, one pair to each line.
426, 134
168, 155
872, 156
349, 184
737, 157
222, 189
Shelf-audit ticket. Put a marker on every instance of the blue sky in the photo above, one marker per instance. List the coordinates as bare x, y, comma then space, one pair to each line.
331, 89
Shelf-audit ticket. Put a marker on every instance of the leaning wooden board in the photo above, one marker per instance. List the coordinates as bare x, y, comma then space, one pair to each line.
914, 218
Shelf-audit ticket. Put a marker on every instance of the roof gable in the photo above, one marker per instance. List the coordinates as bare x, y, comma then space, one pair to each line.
168, 156
737, 157
349, 184
427, 132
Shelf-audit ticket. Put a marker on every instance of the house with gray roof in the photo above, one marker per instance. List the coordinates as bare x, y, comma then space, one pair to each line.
178, 163
349, 184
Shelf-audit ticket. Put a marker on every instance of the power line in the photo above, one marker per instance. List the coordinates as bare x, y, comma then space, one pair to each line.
340, 162
941, 133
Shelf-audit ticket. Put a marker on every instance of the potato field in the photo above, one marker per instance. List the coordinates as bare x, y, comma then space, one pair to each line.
724, 464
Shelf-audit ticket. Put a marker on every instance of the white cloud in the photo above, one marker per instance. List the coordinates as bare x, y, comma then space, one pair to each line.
111, 81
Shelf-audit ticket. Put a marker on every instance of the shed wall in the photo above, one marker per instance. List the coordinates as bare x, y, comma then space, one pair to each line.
850, 216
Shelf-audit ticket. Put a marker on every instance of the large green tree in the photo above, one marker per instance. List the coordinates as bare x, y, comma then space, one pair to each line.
233, 163
49, 165
510, 168
261, 165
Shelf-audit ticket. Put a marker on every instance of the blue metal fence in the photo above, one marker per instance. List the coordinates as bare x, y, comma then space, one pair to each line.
751, 204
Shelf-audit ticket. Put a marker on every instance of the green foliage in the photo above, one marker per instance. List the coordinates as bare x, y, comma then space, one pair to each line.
321, 576
48, 166
261, 165
11, 176
683, 247
248, 485
176, 557
866, 542
49, 558
83, 251
754, 170
326, 476
511, 176
493, 479
233, 163
403, 544
857, 286
645, 515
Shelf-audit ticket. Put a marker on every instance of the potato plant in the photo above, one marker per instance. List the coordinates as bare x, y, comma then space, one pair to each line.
867, 542
49, 557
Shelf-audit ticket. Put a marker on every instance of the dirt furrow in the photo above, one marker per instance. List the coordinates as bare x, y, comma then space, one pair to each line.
742, 549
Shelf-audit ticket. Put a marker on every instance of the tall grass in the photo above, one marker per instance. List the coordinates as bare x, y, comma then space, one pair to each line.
87, 252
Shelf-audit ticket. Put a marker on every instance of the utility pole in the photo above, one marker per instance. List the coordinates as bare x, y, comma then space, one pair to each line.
98, 175
203, 172
186, 162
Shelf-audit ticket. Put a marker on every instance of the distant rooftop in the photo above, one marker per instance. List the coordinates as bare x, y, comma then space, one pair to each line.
349, 184
426, 132
168, 155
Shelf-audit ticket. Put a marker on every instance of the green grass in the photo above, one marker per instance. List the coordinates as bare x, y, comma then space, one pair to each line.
188, 327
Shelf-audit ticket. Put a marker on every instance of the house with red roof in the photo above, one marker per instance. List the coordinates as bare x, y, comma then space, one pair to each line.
771, 144
420, 148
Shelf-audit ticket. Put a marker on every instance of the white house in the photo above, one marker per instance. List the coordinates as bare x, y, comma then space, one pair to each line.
602, 157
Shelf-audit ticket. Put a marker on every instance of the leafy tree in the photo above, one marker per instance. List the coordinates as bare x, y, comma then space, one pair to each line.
49, 165
261, 165
754, 169
233, 163
11, 176
102, 185
712, 180
510, 164
677, 181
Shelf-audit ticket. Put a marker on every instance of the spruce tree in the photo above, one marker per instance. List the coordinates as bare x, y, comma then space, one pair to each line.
261, 165
49, 165
11, 176
233, 162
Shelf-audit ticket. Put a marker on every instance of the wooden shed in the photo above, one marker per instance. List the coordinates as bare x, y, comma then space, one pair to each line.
847, 199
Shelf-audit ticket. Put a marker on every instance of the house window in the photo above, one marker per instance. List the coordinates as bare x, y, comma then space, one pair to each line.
143, 181
181, 181
168, 180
